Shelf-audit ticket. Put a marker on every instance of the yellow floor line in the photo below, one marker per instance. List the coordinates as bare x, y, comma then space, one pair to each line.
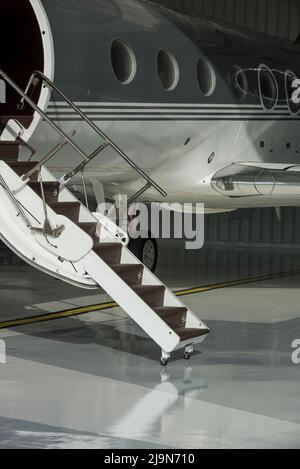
104, 306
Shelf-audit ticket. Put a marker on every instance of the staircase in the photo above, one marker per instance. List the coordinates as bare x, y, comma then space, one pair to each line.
43, 223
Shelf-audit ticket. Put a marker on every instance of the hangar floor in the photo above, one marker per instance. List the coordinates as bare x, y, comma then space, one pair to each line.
94, 380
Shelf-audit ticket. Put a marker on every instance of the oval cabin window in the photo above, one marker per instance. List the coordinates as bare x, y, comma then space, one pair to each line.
168, 70
268, 87
206, 77
240, 83
123, 62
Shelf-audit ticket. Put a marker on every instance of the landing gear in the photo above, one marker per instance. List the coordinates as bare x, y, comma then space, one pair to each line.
146, 250
188, 351
165, 358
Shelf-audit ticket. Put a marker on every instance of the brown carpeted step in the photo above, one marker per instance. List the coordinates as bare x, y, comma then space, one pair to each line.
109, 252
174, 316
187, 334
51, 190
9, 151
22, 167
90, 229
132, 274
25, 121
152, 295
68, 209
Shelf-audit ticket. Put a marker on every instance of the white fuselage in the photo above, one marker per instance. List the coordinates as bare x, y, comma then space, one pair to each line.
198, 96
173, 148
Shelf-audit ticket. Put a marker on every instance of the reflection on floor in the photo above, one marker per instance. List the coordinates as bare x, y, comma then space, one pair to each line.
95, 381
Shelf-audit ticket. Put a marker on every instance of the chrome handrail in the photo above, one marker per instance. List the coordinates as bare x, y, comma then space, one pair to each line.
42, 114
100, 133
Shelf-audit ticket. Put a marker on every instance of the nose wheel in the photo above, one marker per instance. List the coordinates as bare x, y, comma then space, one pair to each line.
146, 250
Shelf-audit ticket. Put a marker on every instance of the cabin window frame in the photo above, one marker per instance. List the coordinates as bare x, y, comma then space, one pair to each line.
243, 91
127, 50
266, 68
172, 64
208, 68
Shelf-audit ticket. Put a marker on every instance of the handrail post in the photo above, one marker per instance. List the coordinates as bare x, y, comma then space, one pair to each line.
102, 134
42, 114
41, 163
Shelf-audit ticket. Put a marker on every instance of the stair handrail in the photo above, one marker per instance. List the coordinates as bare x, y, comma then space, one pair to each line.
66, 138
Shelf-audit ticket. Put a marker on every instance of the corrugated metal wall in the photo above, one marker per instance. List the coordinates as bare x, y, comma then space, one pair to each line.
277, 17
263, 228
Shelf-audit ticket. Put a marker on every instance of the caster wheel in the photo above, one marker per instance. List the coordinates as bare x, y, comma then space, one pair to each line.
164, 362
187, 356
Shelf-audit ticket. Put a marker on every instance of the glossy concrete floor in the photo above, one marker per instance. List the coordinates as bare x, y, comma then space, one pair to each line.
94, 381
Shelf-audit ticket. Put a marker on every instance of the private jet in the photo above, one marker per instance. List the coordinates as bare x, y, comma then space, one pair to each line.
107, 97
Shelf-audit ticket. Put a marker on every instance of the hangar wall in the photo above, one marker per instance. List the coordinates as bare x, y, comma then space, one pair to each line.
276, 17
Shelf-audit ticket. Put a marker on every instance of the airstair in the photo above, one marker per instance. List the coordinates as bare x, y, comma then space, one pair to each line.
49, 228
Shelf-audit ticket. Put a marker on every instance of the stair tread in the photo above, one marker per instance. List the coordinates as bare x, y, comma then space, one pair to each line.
70, 210
49, 184
152, 295
25, 120
148, 288
105, 247
90, 228
109, 252
65, 204
132, 274
87, 224
23, 163
108, 245
50, 189
9, 151
190, 333
174, 316
121, 267
170, 309
22, 167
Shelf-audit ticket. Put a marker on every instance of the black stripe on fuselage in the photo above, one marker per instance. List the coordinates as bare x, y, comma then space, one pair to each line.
179, 119
137, 113
69, 114
163, 108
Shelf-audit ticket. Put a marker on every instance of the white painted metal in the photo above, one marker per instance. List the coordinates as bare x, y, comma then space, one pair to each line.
110, 231
70, 256
72, 245
16, 234
134, 306
12, 130
229, 140
137, 309
49, 64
